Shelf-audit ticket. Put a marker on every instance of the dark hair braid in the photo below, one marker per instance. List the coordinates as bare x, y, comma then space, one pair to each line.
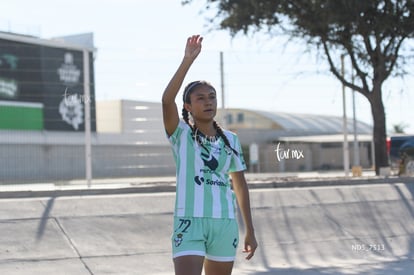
224, 137
186, 117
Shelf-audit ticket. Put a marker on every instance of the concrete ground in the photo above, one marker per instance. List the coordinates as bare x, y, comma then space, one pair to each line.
304, 225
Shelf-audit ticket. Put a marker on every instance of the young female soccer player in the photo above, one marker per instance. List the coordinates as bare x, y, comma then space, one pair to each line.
205, 227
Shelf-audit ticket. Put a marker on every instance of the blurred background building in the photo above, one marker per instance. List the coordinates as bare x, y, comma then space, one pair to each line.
288, 142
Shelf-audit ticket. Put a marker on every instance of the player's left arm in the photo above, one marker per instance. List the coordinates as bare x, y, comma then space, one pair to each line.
243, 199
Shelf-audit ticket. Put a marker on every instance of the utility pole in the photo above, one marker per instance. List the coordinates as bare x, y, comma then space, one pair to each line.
86, 101
224, 117
345, 124
356, 167
356, 143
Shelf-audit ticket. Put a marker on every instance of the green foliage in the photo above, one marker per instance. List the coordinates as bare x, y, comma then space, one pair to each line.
399, 128
336, 19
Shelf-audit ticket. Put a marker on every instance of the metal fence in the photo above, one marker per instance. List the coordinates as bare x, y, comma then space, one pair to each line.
60, 157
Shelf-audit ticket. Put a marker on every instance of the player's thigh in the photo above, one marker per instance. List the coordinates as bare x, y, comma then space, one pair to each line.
223, 240
217, 268
188, 265
188, 237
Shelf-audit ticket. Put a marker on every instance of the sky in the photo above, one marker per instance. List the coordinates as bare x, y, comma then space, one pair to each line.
140, 44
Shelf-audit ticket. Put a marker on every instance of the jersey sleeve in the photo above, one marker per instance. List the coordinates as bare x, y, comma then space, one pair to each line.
178, 132
237, 160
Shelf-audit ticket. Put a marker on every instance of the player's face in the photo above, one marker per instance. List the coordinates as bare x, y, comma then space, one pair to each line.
203, 103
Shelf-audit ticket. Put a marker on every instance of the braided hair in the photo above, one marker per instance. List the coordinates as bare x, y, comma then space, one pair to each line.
186, 99
223, 136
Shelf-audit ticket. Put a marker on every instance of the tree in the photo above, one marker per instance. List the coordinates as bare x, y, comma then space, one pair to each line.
371, 34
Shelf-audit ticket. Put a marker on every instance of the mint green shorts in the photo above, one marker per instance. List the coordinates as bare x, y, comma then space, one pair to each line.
215, 239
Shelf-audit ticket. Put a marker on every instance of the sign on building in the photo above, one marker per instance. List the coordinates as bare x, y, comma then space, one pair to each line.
41, 79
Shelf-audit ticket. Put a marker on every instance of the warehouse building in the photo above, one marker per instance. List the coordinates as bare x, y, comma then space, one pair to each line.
286, 142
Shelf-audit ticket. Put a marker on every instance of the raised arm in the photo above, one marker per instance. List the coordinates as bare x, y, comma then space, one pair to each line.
169, 106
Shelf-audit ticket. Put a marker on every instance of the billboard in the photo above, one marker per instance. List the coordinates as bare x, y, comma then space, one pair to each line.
49, 76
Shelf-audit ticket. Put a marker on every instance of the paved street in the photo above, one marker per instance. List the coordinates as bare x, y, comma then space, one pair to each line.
355, 229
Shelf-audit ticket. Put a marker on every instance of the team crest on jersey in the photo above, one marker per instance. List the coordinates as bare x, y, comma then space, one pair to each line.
178, 240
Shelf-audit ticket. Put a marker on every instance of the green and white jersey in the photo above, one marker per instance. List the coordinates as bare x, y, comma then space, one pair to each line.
202, 168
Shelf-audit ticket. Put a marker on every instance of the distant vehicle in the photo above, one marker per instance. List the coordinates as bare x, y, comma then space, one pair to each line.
401, 154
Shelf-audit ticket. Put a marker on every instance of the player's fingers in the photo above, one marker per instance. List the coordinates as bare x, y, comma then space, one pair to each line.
250, 249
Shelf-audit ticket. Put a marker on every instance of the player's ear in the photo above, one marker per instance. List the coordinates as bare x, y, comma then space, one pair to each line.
187, 106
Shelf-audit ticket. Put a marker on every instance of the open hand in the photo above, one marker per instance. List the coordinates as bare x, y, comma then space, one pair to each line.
193, 47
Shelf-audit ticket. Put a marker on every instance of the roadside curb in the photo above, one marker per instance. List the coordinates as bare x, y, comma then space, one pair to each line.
169, 186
